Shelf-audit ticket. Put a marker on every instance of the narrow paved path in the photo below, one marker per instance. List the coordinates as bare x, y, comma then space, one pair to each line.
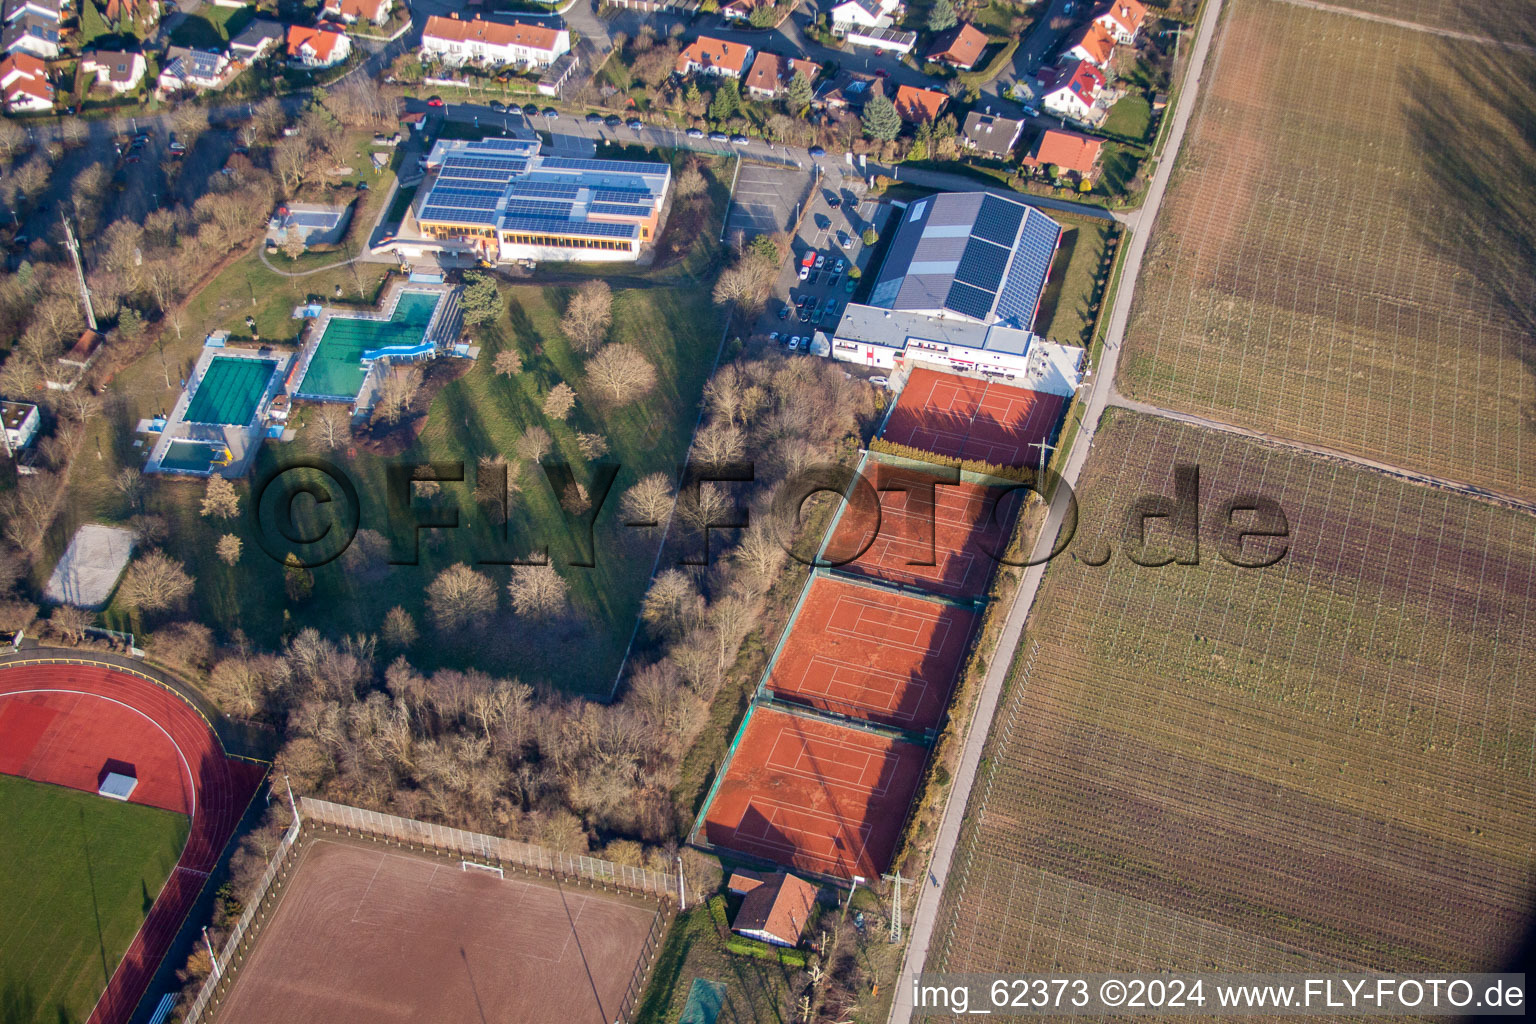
1412, 476
925, 914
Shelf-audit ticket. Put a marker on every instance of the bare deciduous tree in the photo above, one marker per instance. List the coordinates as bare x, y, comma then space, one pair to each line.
508, 362
219, 499
398, 629
592, 446
560, 401
228, 549
331, 426
538, 591
648, 502
673, 605
588, 316
396, 392
70, 623
534, 444
130, 484
619, 374
718, 444
460, 597
153, 582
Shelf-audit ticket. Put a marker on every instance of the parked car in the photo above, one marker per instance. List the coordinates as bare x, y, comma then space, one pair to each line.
843, 240
834, 202
839, 267
794, 343
850, 286
805, 272
879, 380
719, 137
821, 261
694, 133
551, 113
805, 315
497, 106
594, 118
740, 140
774, 335
433, 101
613, 120
783, 312
177, 146
809, 258
634, 124
817, 151
530, 110
881, 72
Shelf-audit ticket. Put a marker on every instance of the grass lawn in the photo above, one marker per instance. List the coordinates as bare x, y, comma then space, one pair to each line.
211, 27
1064, 308
1131, 117
80, 875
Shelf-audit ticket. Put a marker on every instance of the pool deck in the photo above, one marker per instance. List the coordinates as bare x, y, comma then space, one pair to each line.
443, 328
242, 440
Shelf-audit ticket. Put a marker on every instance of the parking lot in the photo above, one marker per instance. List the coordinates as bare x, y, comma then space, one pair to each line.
767, 199
807, 297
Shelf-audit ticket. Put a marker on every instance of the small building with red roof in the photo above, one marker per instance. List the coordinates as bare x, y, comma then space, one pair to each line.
917, 106
709, 56
770, 73
24, 84
961, 47
349, 12
1093, 44
322, 46
1122, 19
774, 909
1072, 90
1071, 152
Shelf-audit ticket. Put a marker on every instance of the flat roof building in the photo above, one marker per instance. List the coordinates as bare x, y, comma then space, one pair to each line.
316, 223
20, 422
503, 201
969, 255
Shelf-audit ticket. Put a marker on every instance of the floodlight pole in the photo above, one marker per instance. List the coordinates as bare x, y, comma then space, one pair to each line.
218, 972
896, 881
291, 803
682, 895
1043, 449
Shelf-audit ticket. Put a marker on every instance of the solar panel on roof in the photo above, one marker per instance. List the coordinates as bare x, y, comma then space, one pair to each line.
620, 209
590, 229
982, 264
472, 199
554, 190
497, 178
621, 195
505, 164
456, 215
613, 166
1021, 290
969, 300
512, 145
998, 220
539, 208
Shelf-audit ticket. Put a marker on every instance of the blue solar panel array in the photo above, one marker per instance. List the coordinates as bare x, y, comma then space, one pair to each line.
456, 215
982, 264
548, 209
507, 165
583, 229
510, 145
620, 209
548, 189
498, 178
1031, 265
470, 198
998, 220
621, 195
616, 166
969, 300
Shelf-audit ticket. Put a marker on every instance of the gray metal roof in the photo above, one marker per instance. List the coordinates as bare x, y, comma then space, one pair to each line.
975, 255
892, 328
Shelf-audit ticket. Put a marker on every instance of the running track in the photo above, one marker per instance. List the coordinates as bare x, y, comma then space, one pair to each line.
60, 723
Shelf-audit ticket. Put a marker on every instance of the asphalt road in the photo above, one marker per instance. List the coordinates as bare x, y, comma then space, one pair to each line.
1099, 395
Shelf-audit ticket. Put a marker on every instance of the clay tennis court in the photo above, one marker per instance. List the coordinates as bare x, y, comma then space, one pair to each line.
371, 934
63, 723
815, 796
944, 541
968, 418
872, 654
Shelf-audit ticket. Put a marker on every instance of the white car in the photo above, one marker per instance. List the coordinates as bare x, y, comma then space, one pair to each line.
841, 266
773, 335
794, 343
879, 380
821, 261
843, 239
805, 272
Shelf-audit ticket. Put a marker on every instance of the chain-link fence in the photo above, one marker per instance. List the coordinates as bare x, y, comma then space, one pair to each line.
490, 849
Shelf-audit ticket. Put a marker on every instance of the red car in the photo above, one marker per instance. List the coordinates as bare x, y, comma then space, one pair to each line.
435, 101
882, 73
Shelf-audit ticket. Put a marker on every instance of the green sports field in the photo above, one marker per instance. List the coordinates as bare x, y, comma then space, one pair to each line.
78, 873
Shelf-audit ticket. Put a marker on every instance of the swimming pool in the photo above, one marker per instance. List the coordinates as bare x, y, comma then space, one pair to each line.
230, 390
191, 457
336, 370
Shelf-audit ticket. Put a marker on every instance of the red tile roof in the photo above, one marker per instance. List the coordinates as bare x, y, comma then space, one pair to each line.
371, 10
1130, 15
918, 105
1069, 151
1096, 42
1082, 78
493, 33
961, 46
321, 40
714, 53
780, 906
30, 77
770, 71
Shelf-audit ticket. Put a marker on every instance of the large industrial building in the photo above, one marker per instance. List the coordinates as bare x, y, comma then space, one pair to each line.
500, 200
959, 289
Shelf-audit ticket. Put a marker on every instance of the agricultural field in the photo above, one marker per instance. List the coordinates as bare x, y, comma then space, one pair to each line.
80, 874
1327, 761
1353, 273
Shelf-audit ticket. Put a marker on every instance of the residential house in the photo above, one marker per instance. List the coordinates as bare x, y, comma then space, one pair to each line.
709, 56
116, 70
863, 14
917, 106
1071, 152
457, 41
558, 74
49, 10
24, 84
350, 12
21, 421
130, 10
774, 909
323, 46
741, 10
847, 90
1071, 90
771, 73
961, 47
881, 40
991, 136
191, 70
256, 40
1093, 44
33, 34
1122, 19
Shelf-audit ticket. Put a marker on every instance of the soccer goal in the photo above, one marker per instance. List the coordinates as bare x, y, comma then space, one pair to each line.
468, 865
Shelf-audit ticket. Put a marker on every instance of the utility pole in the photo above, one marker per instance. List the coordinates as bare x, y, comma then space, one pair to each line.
1043, 449
74, 251
896, 881
218, 972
